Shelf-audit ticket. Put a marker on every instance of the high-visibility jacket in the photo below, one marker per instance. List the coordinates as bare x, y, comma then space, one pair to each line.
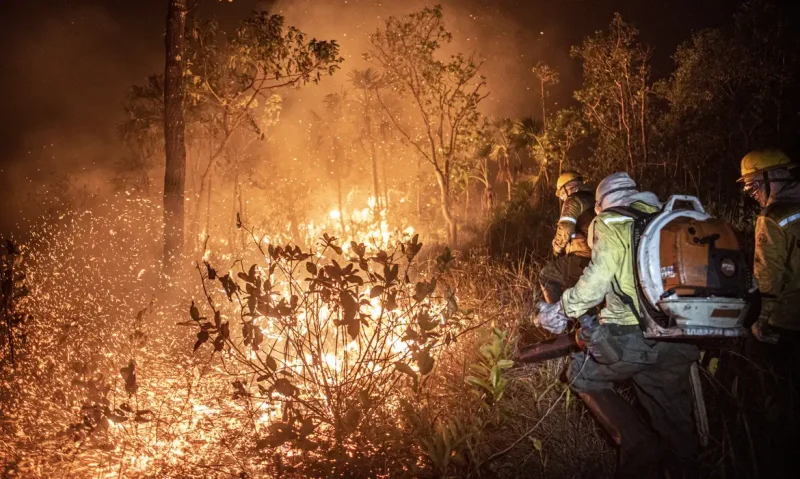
776, 264
572, 231
610, 275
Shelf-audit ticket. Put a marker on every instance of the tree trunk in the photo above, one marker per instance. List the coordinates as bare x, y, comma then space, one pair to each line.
419, 189
535, 197
466, 202
373, 156
174, 144
336, 167
234, 203
385, 178
544, 116
341, 204
444, 199
195, 229
208, 209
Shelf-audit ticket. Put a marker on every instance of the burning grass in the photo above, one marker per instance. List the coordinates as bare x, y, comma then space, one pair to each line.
357, 359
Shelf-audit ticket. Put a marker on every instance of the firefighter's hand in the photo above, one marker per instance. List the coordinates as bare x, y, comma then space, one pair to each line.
551, 317
558, 250
764, 332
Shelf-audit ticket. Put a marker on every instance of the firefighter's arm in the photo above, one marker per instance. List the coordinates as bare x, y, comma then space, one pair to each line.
607, 253
566, 225
769, 262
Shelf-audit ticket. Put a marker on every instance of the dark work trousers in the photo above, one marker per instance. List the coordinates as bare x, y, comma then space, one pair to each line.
561, 274
777, 432
660, 372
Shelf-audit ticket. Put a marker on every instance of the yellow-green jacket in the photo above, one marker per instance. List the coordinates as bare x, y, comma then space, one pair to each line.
610, 273
776, 264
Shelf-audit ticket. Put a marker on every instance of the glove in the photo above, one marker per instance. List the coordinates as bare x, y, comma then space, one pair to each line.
558, 250
551, 317
764, 332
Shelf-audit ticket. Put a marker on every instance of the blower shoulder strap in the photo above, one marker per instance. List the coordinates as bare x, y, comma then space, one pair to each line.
640, 220
628, 211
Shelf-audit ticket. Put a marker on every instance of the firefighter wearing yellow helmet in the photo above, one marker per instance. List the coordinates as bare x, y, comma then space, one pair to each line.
768, 177
570, 244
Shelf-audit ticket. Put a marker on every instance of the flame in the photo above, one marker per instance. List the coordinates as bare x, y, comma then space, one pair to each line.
193, 404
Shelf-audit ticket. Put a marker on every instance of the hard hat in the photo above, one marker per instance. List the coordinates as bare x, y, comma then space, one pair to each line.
567, 177
760, 161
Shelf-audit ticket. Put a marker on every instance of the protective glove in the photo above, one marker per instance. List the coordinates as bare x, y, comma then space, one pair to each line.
764, 332
551, 317
558, 250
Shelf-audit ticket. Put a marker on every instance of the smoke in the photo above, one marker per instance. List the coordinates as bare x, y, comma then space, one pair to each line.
66, 70
68, 63
507, 47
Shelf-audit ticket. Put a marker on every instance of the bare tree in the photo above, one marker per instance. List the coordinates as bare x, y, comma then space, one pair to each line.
547, 76
367, 82
445, 95
236, 79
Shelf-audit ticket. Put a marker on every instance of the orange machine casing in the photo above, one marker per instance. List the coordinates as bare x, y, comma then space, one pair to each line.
685, 253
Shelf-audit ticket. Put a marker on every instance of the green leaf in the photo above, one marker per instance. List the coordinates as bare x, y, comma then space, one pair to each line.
713, 364
195, 313
537, 444
481, 383
311, 268
272, 365
376, 291
505, 363
426, 323
425, 362
406, 369
494, 375
202, 337
284, 387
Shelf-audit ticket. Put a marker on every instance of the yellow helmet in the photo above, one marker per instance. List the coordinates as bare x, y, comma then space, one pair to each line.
758, 162
567, 177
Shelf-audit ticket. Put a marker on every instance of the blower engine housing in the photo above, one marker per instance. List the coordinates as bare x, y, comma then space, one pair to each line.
693, 278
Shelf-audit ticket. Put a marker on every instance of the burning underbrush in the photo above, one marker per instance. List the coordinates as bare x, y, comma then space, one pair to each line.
371, 358
305, 362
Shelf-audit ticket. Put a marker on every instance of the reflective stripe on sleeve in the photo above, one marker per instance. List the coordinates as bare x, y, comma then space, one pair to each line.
789, 219
617, 219
568, 218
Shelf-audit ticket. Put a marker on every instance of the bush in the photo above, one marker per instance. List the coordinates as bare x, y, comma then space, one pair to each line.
518, 231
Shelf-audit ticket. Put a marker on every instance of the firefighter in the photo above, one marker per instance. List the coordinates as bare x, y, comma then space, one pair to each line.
570, 245
659, 369
768, 177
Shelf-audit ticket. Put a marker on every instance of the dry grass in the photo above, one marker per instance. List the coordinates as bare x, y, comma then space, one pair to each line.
544, 430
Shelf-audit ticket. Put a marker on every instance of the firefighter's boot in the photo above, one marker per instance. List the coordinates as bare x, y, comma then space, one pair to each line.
639, 452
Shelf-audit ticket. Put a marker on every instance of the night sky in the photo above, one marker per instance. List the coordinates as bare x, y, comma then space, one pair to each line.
66, 64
